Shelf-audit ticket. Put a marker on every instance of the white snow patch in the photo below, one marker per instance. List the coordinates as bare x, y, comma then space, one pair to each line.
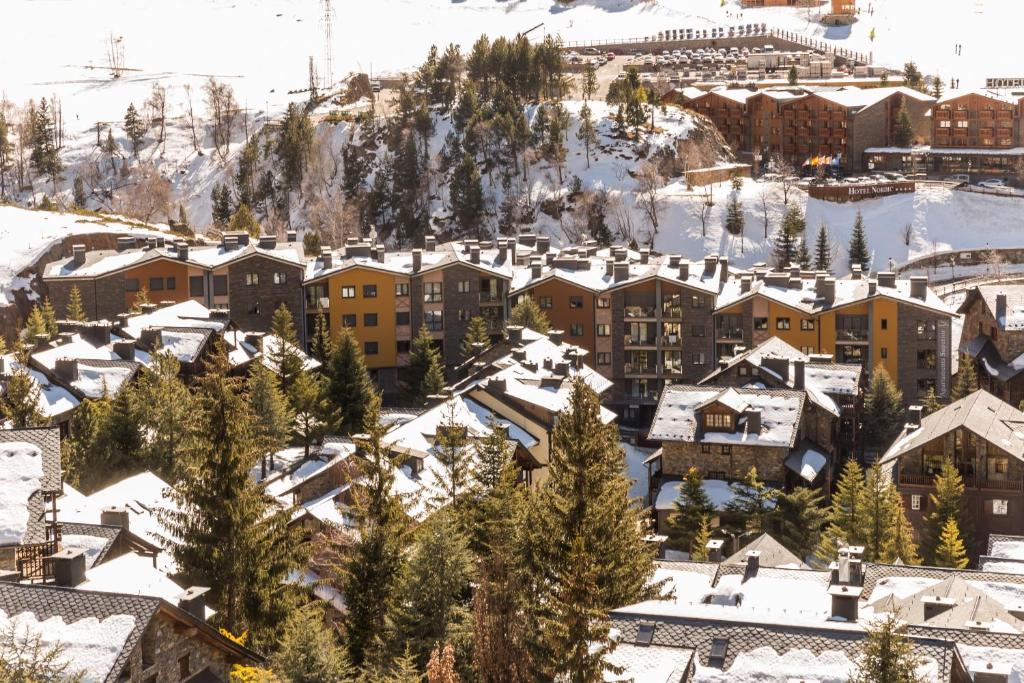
21, 471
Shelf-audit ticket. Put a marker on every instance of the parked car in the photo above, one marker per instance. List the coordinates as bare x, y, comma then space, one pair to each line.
959, 178
993, 184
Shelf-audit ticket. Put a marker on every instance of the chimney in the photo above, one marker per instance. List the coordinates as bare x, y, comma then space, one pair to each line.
519, 354
723, 275
151, 339
799, 365
291, 236
1001, 308
919, 287
357, 250
502, 251
64, 338
990, 672
515, 334
753, 562
753, 416
543, 244
934, 605
621, 272
555, 336
794, 270
609, 268
41, 341
78, 254
535, 269
795, 283
714, 547
888, 279
10, 576
417, 260
68, 567
474, 254
710, 262
229, 242
914, 414
429, 243
149, 308
828, 290
527, 238
96, 333
115, 515
125, 243
745, 283
684, 270
193, 601
151, 243
268, 242
645, 256
66, 369
845, 602
856, 271
673, 261
561, 369
242, 238
125, 350
549, 258
182, 251
499, 385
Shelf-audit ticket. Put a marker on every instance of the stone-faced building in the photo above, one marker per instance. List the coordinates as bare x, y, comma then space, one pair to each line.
30, 482
113, 637
984, 438
993, 338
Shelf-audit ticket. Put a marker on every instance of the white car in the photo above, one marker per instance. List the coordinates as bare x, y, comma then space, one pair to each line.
993, 184
959, 178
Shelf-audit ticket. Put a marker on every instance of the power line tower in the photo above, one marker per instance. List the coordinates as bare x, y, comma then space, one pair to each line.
327, 74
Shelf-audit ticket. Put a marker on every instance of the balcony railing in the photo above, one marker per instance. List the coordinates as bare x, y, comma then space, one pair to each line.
671, 312
640, 311
649, 395
639, 369
730, 333
488, 298
911, 479
671, 340
630, 340
851, 335
30, 560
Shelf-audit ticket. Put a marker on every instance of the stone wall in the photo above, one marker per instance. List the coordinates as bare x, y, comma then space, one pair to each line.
909, 373
164, 643
678, 457
454, 302
268, 295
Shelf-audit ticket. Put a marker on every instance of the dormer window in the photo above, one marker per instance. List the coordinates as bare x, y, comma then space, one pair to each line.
717, 421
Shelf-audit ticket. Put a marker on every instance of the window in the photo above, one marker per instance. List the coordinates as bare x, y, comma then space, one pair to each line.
369, 291
782, 323
807, 350
184, 668
401, 289
924, 386
696, 359
760, 323
604, 330
434, 320
697, 301
926, 359
131, 284
348, 320
885, 323
576, 330
742, 370
698, 331
156, 284
999, 465
220, 285
604, 358
402, 346
717, 421
1001, 507
402, 317
433, 292
544, 302
252, 279
369, 319
171, 283
348, 292
884, 352
196, 286
280, 278
915, 502
926, 329
725, 449
604, 302
575, 302
806, 325
645, 634
705, 448
465, 314
254, 308
464, 286
370, 349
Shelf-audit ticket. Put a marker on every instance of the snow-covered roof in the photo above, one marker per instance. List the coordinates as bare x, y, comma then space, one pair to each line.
856, 98
54, 400
680, 405
189, 313
807, 461
997, 95
21, 473
653, 664
133, 574
103, 378
327, 457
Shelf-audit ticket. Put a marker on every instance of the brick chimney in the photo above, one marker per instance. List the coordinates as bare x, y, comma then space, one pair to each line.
78, 254
621, 272
919, 287
474, 254
193, 601
845, 602
1001, 309
96, 333
429, 243
673, 260
151, 339
68, 567
710, 262
799, 367
684, 270
543, 244
515, 334
125, 350
115, 515
66, 369
417, 260
556, 336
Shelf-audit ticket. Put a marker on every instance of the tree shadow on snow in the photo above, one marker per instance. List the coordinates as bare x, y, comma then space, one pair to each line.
606, 5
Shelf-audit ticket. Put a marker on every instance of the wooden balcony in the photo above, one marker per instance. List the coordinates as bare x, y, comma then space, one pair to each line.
30, 559
909, 479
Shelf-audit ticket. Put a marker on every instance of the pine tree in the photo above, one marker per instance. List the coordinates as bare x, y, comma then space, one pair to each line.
823, 249
904, 136
243, 220
425, 376
284, 355
45, 155
887, 655
585, 551
859, 253
49, 319
883, 410
801, 518
274, 416
699, 546
788, 237
803, 255
75, 309
141, 299
528, 314
454, 455
937, 88
792, 76
220, 200
434, 592
229, 533
19, 404
349, 387
306, 396
879, 528
947, 502
467, 196
692, 506
321, 345
931, 402
294, 143
493, 454
752, 502
912, 77
587, 132
308, 653
477, 338
165, 408
35, 326
134, 129
734, 219
372, 564
950, 550
846, 516
182, 219
966, 379
902, 546
78, 193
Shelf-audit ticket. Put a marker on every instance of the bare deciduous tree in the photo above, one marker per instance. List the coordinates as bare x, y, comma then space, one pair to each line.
764, 196
148, 197
908, 234
157, 104
223, 110
190, 115
648, 184
624, 226
702, 207
787, 172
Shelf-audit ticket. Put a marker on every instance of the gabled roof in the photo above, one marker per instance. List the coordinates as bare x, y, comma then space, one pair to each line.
1013, 320
29, 468
988, 417
969, 605
773, 554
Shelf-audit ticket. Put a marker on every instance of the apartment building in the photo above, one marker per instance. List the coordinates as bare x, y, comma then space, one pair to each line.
993, 338
727, 109
901, 325
249, 279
